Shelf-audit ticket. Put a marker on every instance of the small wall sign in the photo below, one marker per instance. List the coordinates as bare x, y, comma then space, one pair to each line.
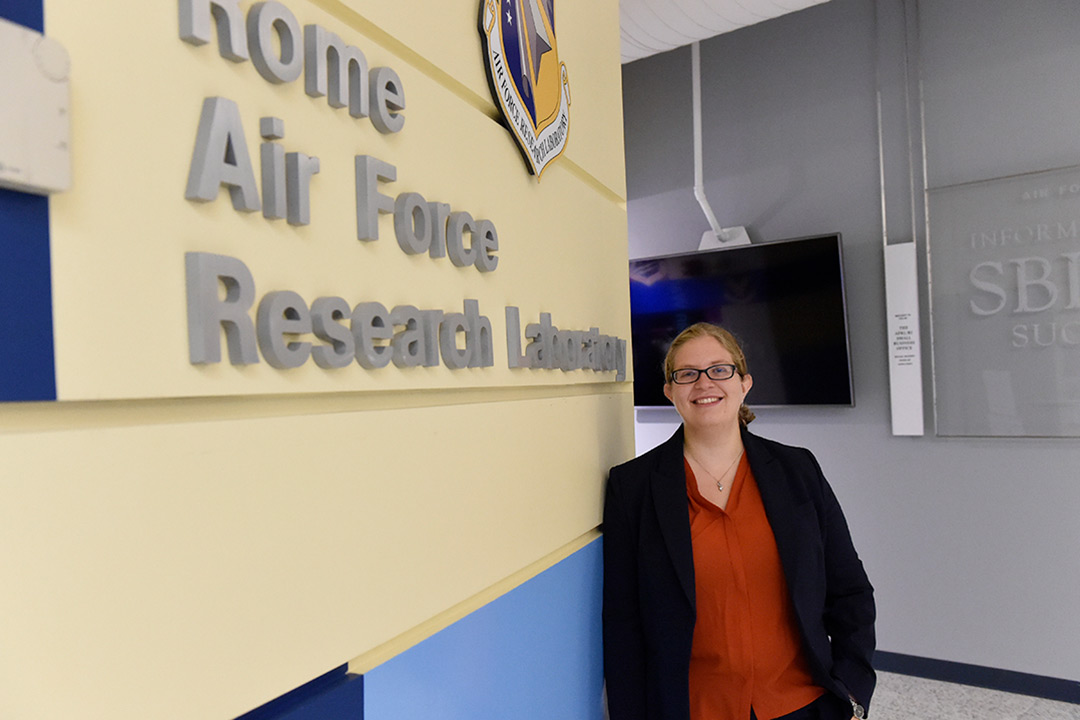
527, 80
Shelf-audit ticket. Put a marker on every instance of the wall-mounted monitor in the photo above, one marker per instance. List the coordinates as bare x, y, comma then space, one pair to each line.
784, 301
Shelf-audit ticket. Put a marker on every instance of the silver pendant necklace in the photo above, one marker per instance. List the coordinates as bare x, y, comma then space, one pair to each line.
719, 482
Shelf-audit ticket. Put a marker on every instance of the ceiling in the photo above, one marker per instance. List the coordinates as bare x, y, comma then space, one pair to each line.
653, 26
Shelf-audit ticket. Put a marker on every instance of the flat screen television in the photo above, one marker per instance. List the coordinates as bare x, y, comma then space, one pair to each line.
784, 301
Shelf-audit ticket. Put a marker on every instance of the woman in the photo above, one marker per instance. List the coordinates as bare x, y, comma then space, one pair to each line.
731, 587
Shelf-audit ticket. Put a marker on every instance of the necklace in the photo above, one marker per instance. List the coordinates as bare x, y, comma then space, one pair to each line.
719, 482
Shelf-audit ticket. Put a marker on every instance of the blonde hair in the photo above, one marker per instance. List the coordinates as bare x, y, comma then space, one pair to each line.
722, 336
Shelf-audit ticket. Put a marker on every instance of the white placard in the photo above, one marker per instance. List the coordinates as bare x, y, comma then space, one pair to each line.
905, 350
34, 126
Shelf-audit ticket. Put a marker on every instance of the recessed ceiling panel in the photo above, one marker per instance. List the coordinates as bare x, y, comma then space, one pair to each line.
654, 26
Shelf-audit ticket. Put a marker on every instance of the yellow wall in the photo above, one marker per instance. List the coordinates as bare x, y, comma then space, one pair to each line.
183, 541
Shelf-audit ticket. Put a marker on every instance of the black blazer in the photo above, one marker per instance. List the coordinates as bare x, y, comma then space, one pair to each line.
649, 605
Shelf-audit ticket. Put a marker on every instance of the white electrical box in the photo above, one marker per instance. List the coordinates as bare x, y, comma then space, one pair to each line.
35, 126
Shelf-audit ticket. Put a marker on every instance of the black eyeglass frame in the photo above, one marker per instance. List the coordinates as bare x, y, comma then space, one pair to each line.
729, 369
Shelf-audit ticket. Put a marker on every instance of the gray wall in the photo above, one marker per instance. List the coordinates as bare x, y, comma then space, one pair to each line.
971, 543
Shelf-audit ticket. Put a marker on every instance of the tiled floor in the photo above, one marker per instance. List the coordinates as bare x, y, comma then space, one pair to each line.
901, 697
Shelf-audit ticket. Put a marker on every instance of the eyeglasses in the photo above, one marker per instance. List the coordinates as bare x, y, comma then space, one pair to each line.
688, 376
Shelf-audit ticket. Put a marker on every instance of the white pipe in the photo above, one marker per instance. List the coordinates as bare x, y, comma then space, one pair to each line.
699, 182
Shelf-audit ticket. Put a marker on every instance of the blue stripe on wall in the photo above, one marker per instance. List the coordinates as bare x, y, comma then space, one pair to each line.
27, 370
337, 695
27, 366
533, 654
29, 13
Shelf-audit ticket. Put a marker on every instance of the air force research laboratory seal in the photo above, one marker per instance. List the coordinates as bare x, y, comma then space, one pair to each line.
527, 79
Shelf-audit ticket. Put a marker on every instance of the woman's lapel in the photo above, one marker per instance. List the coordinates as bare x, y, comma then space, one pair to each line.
789, 512
672, 513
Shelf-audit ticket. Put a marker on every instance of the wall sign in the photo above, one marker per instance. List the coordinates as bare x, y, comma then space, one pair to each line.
905, 351
294, 227
527, 79
1005, 283
287, 331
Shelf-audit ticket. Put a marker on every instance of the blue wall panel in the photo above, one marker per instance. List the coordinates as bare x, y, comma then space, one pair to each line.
532, 654
29, 13
27, 370
337, 695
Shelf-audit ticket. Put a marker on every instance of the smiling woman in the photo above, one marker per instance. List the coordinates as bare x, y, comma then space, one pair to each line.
709, 400
731, 585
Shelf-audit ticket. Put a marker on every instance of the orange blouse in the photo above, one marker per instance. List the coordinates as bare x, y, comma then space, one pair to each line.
746, 650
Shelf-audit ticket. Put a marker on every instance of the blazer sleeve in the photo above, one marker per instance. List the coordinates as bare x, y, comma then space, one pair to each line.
849, 602
624, 642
